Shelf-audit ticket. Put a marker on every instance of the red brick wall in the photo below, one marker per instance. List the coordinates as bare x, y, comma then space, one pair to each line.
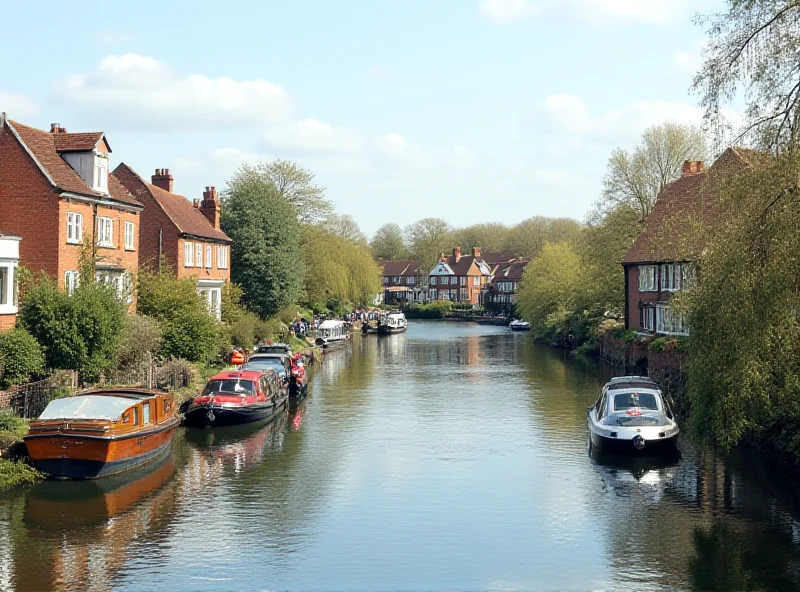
29, 207
7, 322
634, 296
203, 273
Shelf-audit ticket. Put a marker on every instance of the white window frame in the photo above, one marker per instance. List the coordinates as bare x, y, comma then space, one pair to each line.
670, 323
71, 282
101, 170
209, 261
647, 278
198, 255
386, 279
648, 318
432, 293
453, 280
188, 254
74, 228
476, 280
105, 231
222, 257
671, 275
130, 233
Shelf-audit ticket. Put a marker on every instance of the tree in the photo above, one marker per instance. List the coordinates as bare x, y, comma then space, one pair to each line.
635, 179
753, 53
20, 357
291, 183
489, 237
529, 236
388, 243
427, 238
265, 257
345, 226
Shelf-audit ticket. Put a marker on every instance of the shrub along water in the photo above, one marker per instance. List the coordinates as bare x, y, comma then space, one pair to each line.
21, 357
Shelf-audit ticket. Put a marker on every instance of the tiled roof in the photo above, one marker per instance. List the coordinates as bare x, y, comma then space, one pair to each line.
680, 225
186, 218
502, 257
42, 147
463, 265
401, 267
66, 142
510, 271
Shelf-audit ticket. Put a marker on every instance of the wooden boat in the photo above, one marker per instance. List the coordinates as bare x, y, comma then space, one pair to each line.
332, 333
101, 432
391, 323
238, 397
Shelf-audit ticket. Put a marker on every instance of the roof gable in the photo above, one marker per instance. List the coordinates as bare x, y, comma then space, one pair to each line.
401, 267
81, 142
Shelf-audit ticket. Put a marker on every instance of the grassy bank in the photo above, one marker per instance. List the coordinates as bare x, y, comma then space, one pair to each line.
14, 471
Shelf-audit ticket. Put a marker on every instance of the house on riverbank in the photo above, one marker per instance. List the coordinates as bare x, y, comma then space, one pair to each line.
56, 194
501, 291
459, 278
403, 282
186, 235
661, 261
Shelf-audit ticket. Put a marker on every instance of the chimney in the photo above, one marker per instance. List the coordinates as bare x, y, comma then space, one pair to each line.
457, 254
163, 179
55, 128
196, 203
210, 206
476, 251
693, 167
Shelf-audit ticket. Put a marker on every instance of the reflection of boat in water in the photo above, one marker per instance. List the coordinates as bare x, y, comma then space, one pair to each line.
243, 446
297, 410
56, 506
627, 474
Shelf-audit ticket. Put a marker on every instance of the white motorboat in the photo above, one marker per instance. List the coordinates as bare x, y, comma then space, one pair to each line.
517, 325
391, 323
632, 416
332, 333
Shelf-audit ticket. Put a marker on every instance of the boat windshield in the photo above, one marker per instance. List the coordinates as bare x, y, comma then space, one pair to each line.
273, 349
625, 401
87, 407
265, 364
230, 385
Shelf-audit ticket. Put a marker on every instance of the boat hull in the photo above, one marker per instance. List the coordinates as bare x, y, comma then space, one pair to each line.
520, 328
654, 447
76, 456
384, 330
211, 415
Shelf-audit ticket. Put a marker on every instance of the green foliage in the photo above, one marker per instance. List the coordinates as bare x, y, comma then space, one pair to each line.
188, 330
669, 343
15, 473
12, 425
433, 310
21, 357
488, 236
427, 238
344, 226
529, 236
266, 254
388, 243
142, 336
624, 334
79, 332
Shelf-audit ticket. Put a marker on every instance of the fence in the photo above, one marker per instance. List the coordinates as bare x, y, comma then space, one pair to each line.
29, 400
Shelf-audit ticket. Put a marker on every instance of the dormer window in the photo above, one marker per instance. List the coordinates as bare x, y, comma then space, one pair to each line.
100, 173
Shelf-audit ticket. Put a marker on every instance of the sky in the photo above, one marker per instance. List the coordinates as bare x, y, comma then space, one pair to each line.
468, 110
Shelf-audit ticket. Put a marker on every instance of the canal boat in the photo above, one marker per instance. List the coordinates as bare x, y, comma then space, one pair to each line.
392, 322
517, 325
332, 334
238, 397
274, 348
101, 432
632, 416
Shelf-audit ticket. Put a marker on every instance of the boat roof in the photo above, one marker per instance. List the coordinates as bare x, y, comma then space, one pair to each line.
631, 382
267, 346
234, 374
124, 392
331, 324
89, 406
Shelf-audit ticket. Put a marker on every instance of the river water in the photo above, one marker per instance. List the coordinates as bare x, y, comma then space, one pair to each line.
453, 457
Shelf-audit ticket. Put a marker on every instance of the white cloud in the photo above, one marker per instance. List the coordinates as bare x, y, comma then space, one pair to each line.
505, 12
17, 106
142, 93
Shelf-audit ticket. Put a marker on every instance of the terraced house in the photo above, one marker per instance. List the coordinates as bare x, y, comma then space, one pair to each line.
185, 235
501, 291
56, 195
459, 278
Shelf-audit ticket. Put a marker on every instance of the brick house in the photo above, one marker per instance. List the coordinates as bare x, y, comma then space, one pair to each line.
459, 278
501, 291
403, 281
186, 235
57, 194
661, 261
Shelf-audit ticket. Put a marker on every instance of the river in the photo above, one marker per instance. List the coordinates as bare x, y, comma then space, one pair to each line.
452, 457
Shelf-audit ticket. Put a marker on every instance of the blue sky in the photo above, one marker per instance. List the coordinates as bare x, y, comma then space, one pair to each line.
469, 110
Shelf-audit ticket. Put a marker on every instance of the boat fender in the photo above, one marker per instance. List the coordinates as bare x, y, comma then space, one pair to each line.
210, 415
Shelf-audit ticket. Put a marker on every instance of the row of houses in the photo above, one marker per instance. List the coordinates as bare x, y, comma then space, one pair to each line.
479, 279
58, 193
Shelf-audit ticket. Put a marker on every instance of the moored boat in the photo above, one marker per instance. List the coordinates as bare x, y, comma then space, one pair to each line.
632, 416
332, 333
237, 397
391, 323
102, 432
517, 325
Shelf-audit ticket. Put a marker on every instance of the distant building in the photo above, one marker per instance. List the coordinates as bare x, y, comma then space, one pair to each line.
459, 278
185, 234
501, 292
403, 281
661, 261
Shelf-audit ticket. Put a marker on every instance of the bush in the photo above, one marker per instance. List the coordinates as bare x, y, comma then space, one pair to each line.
142, 336
11, 424
175, 374
14, 473
188, 330
433, 310
669, 343
20, 357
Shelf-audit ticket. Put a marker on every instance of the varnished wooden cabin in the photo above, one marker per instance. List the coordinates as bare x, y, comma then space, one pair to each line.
101, 432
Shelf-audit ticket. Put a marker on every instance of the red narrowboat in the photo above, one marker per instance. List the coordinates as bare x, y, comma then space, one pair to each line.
101, 432
237, 397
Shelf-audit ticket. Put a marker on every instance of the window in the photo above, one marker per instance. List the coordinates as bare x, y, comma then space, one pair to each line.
145, 413
411, 281
463, 293
688, 275
625, 401
670, 322
463, 281
647, 278
386, 279
453, 280
188, 255
129, 236
396, 279
431, 294
136, 416
222, 257
198, 255
70, 282
647, 320
101, 172
476, 281
671, 275
105, 232
208, 256
74, 228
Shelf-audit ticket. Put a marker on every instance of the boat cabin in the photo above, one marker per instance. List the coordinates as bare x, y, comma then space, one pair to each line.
331, 331
274, 348
395, 320
632, 401
248, 383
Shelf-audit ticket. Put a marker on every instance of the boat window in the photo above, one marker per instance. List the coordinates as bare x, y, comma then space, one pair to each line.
640, 400
86, 407
145, 413
167, 405
264, 364
135, 416
126, 417
229, 385
601, 407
